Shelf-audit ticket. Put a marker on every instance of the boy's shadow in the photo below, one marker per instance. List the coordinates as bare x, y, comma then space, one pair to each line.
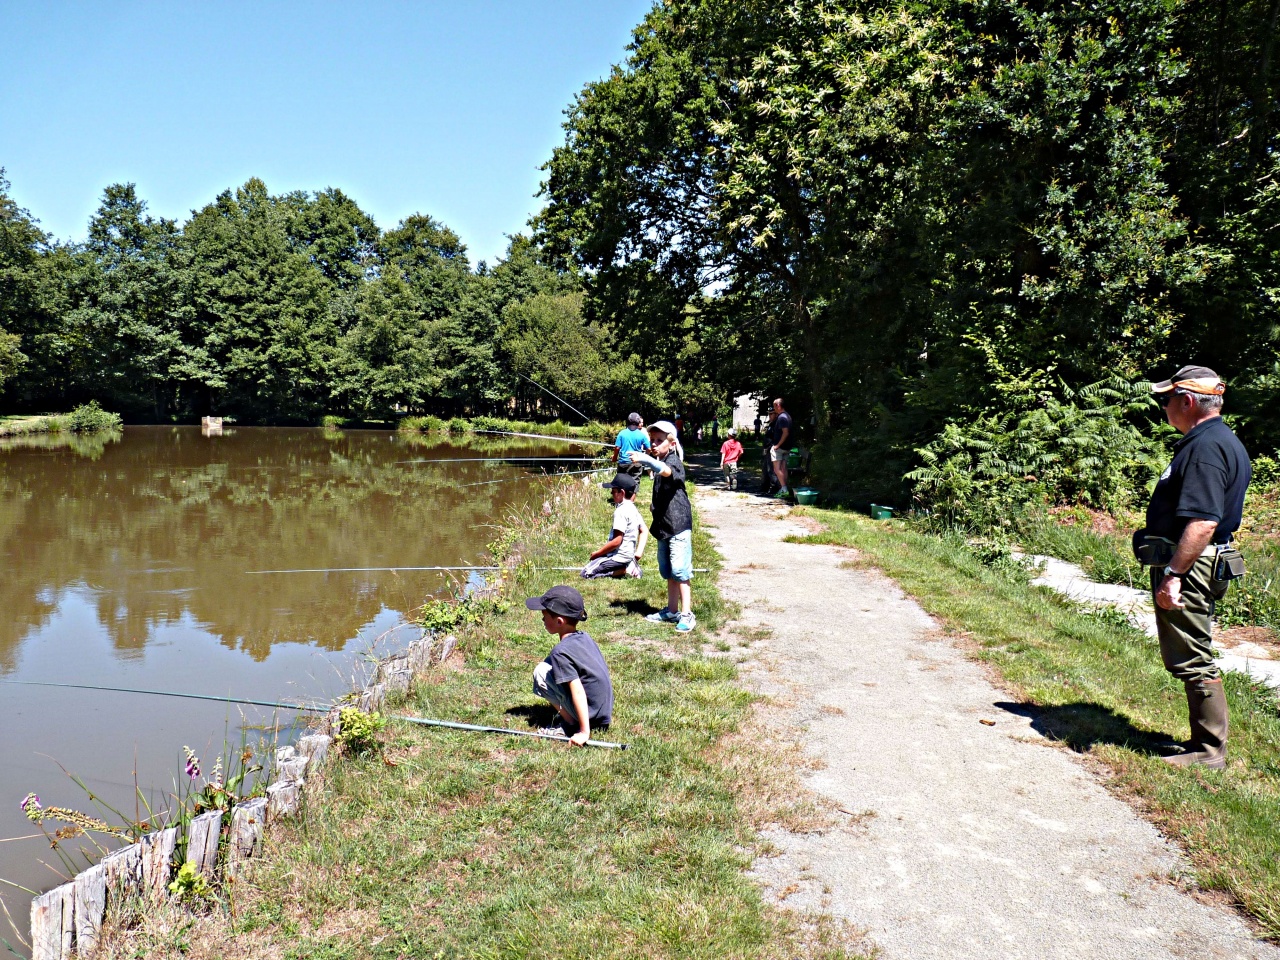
641, 607
537, 715
1083, 725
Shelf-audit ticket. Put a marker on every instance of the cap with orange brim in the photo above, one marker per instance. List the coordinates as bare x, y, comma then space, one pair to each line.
1192, 379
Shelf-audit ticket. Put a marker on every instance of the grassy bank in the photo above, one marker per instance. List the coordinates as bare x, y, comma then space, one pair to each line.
1101, 546
446, 844
463, 425
1096, 685
89, 418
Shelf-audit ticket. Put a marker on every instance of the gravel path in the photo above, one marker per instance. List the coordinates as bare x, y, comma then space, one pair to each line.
957, 839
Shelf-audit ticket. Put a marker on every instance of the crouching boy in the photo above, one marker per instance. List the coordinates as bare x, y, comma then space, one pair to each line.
574, 677
619, 557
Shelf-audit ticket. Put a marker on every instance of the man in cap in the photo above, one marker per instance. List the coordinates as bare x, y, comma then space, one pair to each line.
672, 525
629, 441
1195, 508
574, 678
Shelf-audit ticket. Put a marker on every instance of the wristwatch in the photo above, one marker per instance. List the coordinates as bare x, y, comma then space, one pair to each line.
1169, 572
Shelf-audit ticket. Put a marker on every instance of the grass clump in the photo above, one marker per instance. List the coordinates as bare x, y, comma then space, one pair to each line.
1099, 687
452, 844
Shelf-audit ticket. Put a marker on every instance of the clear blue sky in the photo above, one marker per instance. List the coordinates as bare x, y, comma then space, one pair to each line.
440, 108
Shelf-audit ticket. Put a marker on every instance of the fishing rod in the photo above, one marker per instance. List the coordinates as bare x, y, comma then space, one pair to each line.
492, 460
475, 728
544, 436
368, 569
562, 473
420, 721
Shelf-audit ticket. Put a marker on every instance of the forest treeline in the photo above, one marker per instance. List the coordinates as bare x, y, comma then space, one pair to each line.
285, 308
948, 231
934, 225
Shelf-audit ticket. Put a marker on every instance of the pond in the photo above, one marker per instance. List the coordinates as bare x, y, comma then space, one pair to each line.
137, 561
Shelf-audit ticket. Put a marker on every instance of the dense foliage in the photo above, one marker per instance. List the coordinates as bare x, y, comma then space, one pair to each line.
893, 209
289, 308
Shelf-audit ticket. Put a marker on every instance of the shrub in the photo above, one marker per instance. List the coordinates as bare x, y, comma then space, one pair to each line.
458, 425
1081, 449
358, 731
332, 422
90, 418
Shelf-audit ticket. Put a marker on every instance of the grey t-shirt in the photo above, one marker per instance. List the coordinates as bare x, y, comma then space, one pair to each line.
576, 657
626, 520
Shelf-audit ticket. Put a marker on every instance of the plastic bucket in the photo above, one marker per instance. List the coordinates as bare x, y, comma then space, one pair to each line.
806, 496
793, 459
881, 513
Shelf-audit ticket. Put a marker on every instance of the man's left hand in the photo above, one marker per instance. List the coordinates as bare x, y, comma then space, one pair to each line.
580, 738
1169, 595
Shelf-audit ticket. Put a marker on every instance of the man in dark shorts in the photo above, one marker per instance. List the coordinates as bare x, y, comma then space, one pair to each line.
780, 440
1195, 508
574, 678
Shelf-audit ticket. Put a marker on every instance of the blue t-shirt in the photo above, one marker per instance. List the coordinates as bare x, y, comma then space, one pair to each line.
630, 441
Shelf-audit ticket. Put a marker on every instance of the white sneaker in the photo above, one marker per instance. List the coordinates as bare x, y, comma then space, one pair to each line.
686, 622
663, 616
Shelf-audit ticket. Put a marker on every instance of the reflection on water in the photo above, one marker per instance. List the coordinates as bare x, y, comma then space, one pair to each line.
125, 563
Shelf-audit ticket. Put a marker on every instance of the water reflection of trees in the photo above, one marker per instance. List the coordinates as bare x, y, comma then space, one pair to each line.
166, 525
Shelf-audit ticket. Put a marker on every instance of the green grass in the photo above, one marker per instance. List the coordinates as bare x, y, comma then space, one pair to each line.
450, 844
1098, 686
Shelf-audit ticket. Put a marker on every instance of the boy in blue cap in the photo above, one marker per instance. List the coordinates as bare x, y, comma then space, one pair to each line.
574, 678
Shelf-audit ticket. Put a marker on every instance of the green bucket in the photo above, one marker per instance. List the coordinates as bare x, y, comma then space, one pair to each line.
806, 496
793, 459
881, 513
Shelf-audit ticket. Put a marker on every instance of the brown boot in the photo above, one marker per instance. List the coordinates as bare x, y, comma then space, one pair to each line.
1207, 708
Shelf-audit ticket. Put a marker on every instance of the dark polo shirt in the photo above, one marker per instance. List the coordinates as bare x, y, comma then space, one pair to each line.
1206, 481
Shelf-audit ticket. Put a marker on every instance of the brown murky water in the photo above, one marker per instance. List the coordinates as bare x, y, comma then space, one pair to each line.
127, 562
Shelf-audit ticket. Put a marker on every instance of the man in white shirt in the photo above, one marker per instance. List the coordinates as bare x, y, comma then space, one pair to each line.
618, 557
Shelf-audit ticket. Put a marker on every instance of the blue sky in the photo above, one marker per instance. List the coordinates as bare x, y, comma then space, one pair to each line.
440, 108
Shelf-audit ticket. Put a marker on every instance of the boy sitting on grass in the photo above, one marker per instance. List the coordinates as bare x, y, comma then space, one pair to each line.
618, 557
574, 678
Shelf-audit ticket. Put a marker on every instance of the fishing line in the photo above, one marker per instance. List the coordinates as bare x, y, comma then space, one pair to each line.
562, 473
168, 693
561, 399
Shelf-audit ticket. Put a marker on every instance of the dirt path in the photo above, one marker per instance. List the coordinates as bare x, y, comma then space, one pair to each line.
957, 839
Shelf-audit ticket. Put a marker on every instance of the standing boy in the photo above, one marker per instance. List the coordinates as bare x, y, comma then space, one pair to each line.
672, 525
730, 454
574, 678
628, 442
618, 557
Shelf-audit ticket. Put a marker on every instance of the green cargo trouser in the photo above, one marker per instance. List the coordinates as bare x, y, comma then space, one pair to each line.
1186, 635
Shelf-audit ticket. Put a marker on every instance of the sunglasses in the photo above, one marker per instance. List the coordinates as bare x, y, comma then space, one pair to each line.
1165, 399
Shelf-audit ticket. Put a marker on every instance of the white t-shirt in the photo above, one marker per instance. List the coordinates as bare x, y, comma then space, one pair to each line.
626, 519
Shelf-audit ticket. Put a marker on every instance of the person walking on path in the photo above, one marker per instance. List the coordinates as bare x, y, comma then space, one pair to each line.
574, 678
730, 454
779, 438
627, 442
1195, 508
672, 525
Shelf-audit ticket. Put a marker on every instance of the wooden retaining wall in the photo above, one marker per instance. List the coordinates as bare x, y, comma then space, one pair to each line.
66, 922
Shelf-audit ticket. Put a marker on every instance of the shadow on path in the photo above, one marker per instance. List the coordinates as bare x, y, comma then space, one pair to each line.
1081, 726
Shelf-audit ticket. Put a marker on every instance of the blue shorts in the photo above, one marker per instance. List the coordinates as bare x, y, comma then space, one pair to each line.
675, 557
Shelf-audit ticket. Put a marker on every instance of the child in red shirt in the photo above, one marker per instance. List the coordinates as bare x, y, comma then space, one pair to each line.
730, 454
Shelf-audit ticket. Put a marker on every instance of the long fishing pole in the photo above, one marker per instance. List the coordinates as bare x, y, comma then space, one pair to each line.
545, 436
475, 728
369, 569
421, 721
561, 473
570, 459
